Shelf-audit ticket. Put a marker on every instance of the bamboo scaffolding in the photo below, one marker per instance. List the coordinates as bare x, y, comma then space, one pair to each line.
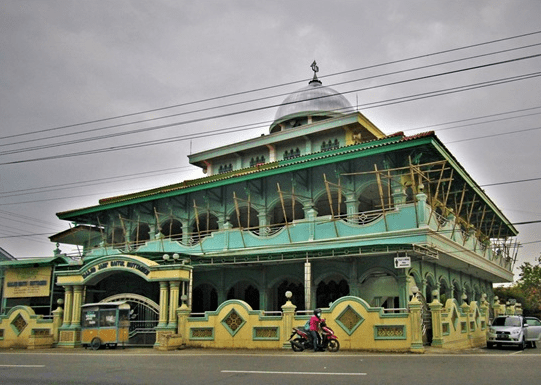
415, 191
103, 238
124, 231
437, 191
329, 197
469, 218
157, 216
380, 190
198, 226
459, 209
284, 211
238, 218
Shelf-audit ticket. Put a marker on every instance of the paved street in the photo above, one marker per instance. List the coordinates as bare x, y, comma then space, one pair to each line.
194, 366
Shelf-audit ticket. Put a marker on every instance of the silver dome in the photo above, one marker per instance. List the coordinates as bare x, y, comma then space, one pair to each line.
314, 99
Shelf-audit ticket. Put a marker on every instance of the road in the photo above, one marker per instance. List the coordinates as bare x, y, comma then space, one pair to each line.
146, 366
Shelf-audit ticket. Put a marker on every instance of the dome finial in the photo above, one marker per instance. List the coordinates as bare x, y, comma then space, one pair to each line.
315, 68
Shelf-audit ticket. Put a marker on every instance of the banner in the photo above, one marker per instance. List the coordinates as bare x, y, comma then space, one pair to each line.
27, 282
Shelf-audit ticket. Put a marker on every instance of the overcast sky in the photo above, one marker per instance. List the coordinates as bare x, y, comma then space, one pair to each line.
65, 63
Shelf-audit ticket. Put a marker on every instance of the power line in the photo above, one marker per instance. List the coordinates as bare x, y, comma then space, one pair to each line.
511, 182
173, 170
108, 136
78, 184
476, 118
276, 86
494, 135
245, 102
366, 106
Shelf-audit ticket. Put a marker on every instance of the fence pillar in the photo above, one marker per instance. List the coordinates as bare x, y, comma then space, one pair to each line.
437, 332
416, 326
465, 311
183, 312
496, 307
288, 310
58, 315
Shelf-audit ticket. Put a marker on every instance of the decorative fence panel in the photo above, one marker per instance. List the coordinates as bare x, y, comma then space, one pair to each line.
459, 326
22, 328
357, 325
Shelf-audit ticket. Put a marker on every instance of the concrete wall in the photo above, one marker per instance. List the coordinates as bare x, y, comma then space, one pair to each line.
357, 325
22, 328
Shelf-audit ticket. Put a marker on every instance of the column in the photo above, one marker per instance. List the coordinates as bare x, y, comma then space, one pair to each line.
190, 289
76, 308
351, 206
424, 284
421, 209
437, 332
263, 230
68, 305
185, 232
173, 303
403, 293
164, 299
307, 285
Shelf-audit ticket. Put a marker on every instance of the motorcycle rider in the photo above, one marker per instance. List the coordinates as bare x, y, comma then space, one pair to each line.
314, 327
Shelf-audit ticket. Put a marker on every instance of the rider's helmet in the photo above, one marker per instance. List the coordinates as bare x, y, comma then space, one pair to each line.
317, 313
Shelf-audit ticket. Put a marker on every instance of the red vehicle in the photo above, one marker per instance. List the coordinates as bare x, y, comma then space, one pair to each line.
303, 339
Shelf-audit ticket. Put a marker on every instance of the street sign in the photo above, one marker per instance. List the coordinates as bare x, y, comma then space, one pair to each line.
402, 262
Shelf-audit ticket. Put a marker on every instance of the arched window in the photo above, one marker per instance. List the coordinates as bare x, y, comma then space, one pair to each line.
141, 233
208, 223
249, 218
297, 291
370, 198
172, 229
327, 293
293, 211
204, 298
246, 292
380, 289
116, 236
323, 206
445, 291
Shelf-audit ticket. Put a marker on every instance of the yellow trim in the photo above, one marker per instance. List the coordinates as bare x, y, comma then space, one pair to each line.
145, 268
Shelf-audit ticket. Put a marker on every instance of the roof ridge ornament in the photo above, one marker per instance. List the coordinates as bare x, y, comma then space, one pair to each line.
315, 68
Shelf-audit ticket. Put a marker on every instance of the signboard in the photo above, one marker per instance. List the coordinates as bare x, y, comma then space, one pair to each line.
402, 262
102, 266
27, 282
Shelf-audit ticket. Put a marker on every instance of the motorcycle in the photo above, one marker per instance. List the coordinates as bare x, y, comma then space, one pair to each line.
303, 341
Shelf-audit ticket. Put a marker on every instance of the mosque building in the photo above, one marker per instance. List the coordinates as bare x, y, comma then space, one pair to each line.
324, 206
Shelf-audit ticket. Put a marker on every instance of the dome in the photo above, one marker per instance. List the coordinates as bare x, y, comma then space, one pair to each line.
312, 100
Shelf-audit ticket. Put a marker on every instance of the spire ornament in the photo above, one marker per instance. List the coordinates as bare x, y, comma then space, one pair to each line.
315, 68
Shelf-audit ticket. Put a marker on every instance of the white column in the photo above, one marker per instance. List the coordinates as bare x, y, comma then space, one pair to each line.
307, 284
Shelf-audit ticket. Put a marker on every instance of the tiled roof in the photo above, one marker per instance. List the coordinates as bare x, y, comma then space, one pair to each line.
387, 140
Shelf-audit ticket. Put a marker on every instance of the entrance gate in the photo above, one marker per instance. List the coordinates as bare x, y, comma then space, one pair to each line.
144, 317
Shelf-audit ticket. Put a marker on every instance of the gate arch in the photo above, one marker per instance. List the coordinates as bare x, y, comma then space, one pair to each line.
144, 317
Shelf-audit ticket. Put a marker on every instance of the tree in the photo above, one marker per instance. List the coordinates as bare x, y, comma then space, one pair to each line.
527, 290
530, 285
